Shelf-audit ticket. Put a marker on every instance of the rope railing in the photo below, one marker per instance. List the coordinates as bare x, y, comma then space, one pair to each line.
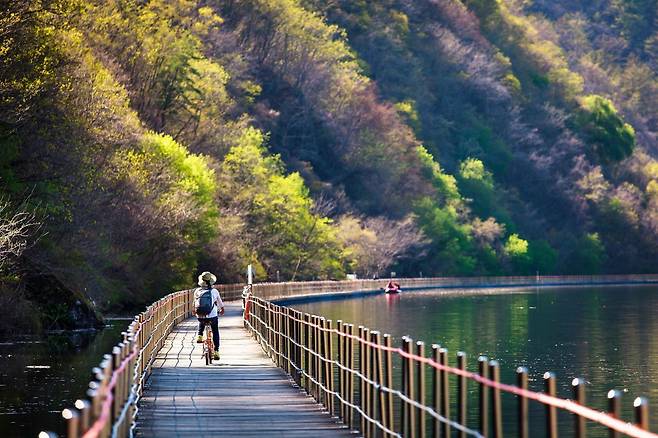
351, 375
304, 344
109, 408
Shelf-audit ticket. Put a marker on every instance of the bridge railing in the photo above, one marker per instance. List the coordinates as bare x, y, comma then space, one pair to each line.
109, 407
351, 372
271, 291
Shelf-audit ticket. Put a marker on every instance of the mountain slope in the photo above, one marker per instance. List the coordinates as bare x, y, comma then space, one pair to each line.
154, 139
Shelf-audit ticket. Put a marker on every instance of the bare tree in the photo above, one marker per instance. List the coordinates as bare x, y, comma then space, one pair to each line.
17, 228
377, 243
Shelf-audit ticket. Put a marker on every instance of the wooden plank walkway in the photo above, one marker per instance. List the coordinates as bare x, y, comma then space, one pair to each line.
243, 395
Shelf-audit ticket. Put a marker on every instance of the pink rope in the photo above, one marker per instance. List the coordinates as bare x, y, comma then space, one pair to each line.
567, 405
98, 426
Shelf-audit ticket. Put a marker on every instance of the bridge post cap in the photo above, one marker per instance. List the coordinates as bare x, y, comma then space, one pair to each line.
47, 434
548, 375
640, 401
461, 354
614, 393
81, 404
578, 381
483, 358
68, 414
521, 370
494, 363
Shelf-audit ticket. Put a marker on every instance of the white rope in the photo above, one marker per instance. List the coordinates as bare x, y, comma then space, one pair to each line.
367, 380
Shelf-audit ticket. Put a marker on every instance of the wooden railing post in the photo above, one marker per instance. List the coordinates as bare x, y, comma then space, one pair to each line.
420, 371
298, 347
614, 409
578, 386
330, 367
445, 388
388, 343
379, 367
72, 418
551, 411
641, 406
350, 377
362, 385
340, 326
307, 361
437, 396
494, 372
404, 379
317, 344
484, 397
367, 387
462, 393
522, 412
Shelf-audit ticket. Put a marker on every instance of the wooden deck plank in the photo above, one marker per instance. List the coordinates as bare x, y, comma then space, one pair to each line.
244, 395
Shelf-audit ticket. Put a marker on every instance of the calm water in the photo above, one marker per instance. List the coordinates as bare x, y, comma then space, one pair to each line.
608, 335
40, 378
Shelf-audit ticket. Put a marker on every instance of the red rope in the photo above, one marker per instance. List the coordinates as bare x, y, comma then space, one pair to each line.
568, 405
99, 424
103, 418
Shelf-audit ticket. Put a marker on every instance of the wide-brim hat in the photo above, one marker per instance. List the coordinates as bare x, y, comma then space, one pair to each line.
207, 277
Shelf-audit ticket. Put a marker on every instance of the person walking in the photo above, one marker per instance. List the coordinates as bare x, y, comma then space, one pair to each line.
207, 304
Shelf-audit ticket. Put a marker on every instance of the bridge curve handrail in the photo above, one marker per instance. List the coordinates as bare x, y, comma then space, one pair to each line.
110, 404
109, 407
303, 345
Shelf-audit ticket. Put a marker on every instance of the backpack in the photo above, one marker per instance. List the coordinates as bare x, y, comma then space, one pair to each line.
203, 305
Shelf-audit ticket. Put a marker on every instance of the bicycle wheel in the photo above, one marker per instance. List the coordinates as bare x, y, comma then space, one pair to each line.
209, 346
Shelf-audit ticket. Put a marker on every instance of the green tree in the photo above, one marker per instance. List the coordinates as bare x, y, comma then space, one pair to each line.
613, 140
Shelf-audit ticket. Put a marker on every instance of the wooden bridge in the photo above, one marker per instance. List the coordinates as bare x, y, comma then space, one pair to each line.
287, 373
243, 395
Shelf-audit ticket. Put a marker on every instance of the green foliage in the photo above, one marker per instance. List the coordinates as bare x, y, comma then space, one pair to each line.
516, 247
445, 184
287, 235
543, 256
589, 255
613, 139
473, 169
451, 251
191, 171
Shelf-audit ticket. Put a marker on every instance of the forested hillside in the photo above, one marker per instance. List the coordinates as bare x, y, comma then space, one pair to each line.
143, 141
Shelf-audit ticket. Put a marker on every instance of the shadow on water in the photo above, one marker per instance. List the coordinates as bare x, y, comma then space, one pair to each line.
608, 335
40, 377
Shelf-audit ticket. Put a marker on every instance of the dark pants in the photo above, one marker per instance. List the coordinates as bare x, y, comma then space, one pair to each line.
215, 329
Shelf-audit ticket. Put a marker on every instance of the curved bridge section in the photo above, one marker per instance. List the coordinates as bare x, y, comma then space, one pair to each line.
304, 375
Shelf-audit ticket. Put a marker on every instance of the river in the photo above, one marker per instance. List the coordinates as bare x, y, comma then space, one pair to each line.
608, 335
40, 377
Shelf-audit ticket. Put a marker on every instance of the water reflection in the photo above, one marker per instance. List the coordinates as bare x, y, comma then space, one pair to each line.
38, 378
605, 334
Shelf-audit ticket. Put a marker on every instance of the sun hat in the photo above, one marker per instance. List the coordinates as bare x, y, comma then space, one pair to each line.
206, 278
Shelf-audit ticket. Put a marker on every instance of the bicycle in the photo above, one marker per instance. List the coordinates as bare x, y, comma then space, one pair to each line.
208, 345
